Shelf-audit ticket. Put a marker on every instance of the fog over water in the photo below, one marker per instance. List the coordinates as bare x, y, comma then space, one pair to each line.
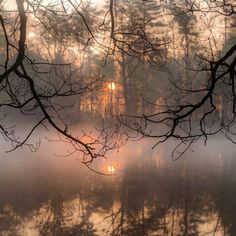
149, 193
87, 90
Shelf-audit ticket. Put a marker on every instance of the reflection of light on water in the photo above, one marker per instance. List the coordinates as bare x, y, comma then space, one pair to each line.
112, 86
63, 208
111, 169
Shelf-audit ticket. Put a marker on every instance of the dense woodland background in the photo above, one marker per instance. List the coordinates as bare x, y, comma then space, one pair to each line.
81, 78
164, 69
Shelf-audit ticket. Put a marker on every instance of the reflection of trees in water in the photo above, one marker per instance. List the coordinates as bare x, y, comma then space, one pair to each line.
61, 218
8, 220
187, 198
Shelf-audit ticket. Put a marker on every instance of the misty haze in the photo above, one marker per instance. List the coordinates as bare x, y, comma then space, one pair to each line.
117, 117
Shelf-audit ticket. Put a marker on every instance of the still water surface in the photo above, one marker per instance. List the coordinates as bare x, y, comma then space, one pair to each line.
150, 194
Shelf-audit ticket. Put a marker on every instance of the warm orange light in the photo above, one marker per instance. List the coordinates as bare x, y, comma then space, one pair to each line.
110, 169
31, 35
112, 86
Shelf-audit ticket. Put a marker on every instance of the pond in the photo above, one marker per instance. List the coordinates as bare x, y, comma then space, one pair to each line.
148, 193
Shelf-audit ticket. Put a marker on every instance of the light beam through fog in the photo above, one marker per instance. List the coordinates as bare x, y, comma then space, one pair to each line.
117, 117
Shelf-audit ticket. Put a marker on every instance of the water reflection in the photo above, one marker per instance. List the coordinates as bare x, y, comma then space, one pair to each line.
150, 195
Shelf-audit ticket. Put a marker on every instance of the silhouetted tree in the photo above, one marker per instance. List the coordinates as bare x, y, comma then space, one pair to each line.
134, 34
